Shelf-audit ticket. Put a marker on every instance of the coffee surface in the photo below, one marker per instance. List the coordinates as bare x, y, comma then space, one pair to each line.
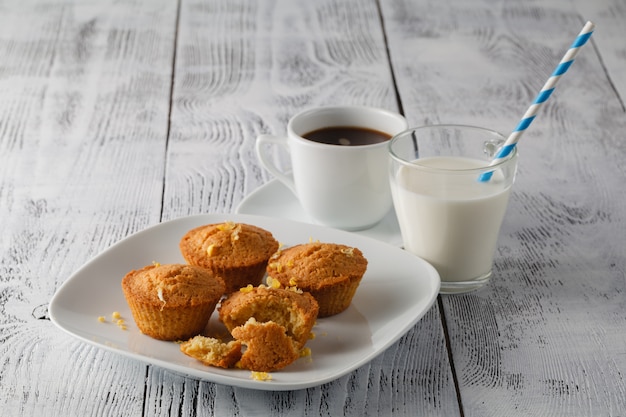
347, 136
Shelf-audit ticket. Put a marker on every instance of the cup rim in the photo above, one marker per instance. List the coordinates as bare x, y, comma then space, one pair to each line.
512, 157
293, 135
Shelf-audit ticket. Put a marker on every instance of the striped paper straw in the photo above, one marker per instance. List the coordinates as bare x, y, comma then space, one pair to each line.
542, 97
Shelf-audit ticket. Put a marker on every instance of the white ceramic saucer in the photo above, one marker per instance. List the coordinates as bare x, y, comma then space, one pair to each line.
275, 200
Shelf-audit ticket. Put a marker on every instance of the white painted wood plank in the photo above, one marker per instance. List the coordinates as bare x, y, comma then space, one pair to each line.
84, 99
84, 102
608, 39
547, 336
243, 68
287, 56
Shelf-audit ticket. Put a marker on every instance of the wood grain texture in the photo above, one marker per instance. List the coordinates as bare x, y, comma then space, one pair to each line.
117, 115
547, 335
243, 68
609, 14
84, 97
287, 56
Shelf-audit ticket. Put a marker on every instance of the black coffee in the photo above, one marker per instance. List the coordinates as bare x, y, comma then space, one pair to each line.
347, 136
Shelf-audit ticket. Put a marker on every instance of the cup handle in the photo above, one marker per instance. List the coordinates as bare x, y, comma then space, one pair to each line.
261, 152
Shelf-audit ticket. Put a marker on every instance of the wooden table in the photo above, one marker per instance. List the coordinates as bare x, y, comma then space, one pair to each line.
115, 116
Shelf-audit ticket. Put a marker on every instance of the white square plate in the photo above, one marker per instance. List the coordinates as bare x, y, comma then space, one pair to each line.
397, 290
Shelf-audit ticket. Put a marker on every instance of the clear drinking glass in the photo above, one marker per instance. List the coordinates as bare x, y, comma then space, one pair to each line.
446, 215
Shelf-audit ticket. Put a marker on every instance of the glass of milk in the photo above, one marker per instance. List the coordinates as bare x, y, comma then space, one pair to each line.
446, 215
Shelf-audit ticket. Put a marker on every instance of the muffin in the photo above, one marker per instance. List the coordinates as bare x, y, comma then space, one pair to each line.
237, 252
268, 347
172, 302
294, 311
212, 352
330, 272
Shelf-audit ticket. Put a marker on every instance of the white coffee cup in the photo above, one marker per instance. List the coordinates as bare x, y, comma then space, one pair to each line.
342, 186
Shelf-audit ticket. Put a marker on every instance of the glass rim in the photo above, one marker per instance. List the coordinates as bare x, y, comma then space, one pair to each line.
415, 164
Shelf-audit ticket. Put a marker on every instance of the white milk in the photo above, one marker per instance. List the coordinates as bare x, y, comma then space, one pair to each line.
451, 221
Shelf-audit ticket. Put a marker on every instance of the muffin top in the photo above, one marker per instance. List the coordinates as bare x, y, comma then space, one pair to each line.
173, 285
315, 265
227, 244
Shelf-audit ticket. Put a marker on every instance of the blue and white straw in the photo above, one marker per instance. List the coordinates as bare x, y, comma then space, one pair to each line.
542, 97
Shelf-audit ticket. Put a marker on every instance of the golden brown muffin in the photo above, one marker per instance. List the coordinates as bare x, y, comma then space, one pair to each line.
268, 348
295, 311
330, 272
237, 252
213, 352
172, 302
